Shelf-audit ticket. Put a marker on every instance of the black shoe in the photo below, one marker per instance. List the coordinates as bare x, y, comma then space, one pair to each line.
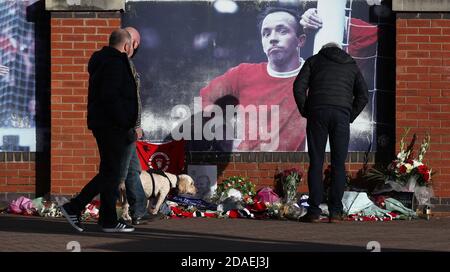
310, 218
72, 216
335, 218
120, 226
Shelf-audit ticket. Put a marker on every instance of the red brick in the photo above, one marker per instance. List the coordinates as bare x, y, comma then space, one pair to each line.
62, 61
258, 173
81, 60
440, 23
268, 166
55, 22
73, 68
406, 92
417, 54
84, 30
96, 22
439, 39
55, 37
407, 77
417, 100
72, 83
26, 173
429, 123
407, 46
407, 123
418, 70
401, 23
85, 45
430, 108
439, 70
97, 38
72, 53
245, 166
440, 100
56, 52
69, 190
430, 31
440, 116
410, 30
430, 92
84, 168
419, 39
71, 175
9, 172
430, 62
407, 108
429, 77
72, 115
400, 100
419, 116
440, 85
60, 76
115, 23
407, 62
72, 160
72, 22
62, 45
429, 46
418, 23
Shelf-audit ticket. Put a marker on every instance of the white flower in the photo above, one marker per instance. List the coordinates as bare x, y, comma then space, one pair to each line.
401, 156
416, 163
409, 167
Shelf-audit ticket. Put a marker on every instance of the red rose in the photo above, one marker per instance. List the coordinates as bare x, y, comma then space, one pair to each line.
423, 169
402, 169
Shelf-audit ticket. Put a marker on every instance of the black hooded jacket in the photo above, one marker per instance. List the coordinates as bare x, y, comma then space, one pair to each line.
112, 97
334, 79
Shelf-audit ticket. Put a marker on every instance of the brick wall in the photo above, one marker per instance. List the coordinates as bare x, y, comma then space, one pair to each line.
423, 88
261, 167
422, 103
74, 36
17, 174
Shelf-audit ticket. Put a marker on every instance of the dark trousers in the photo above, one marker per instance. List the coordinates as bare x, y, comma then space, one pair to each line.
335, 123
113, 146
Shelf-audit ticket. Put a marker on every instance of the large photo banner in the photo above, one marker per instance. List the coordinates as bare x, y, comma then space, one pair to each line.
219, 74
17, 77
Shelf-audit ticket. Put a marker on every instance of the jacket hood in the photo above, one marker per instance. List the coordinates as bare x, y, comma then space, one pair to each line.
100, 56
337, 55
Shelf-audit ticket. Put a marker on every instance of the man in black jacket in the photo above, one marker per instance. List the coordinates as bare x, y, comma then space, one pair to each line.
330, 92
112, 114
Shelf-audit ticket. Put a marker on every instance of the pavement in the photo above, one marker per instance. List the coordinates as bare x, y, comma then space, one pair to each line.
38, 234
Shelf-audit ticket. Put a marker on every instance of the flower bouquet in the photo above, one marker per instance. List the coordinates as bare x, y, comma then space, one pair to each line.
407, 170
289, 180
408, 173
241, 184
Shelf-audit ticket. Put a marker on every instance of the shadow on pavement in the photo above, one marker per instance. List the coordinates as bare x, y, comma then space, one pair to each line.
158, 239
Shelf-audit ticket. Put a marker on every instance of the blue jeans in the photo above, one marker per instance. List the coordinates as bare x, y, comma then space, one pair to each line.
134, 190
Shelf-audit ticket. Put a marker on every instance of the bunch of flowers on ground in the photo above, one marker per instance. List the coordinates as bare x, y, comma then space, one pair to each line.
289, 180
406, 167
243, 185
